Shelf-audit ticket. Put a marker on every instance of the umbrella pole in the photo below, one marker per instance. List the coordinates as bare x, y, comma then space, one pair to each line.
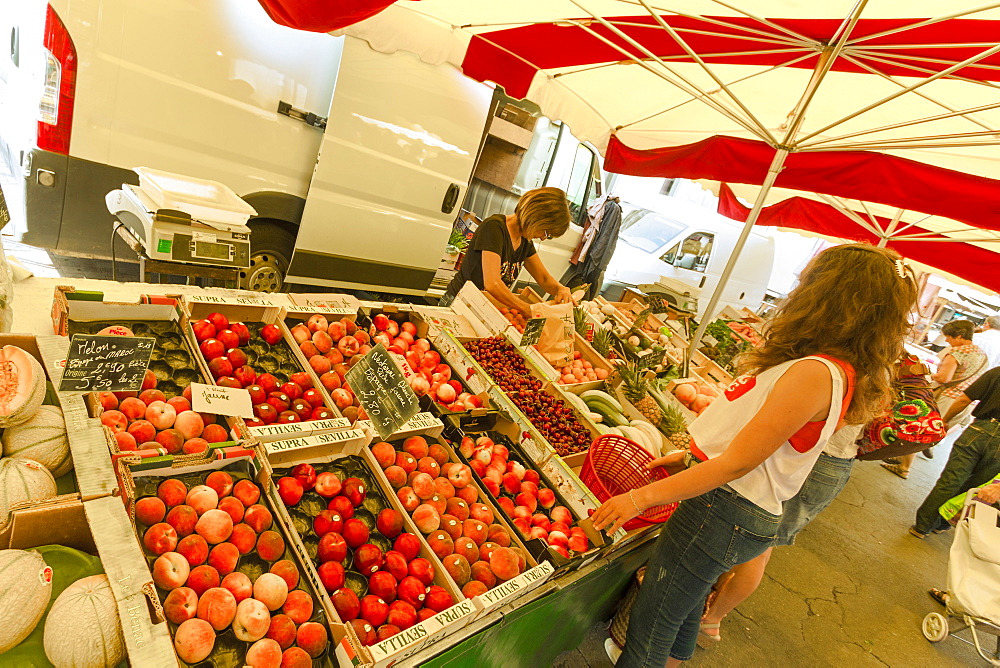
772, 174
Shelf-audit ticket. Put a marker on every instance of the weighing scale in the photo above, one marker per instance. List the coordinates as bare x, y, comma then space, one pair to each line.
181, 219
678, 294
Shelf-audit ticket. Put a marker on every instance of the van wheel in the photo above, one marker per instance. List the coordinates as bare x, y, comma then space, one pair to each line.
271, 246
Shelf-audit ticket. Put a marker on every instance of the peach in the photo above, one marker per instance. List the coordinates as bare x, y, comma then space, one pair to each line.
578, 543
203, 578
251, 621
423, 485
298, 606
288, 572
247, 492
331, 574
180, 605
125, 441
355, 533
296, 657
238, 584
271, 590
194, 640
457, 508
172, 492
265, 653
233, 507
474, 588
171, 440
475, 530
183, 519
408, 499
406, 461
319, 364
504, 563
202, 498
342, 398
312, 638
270, 546
384, 454
482, 572
481, 512
170, 570
223, 558
546, 498
499, 535
402, 614
194, 549
486, 550
282, 630
438, 599
193, 446
214, 526
257, 517
437, 451
217, 606
160, 538
142, 431
443, 488
558, 538
364, 631
491, 486
441, 543
396, 476
244, 538
412, 591
221, 482
180, 404
460, 476
108, 401
452, 526
506, 505
538, 532
331, 547
426, 518
561, 514
386, 631
458, 568
214, 433
115, 420
161, 414
527, 500
149, 510
429, 466
469, 493
416, 446
408, 545
189, 423
467, 548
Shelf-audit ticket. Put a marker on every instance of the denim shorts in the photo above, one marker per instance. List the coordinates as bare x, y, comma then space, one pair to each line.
824, 483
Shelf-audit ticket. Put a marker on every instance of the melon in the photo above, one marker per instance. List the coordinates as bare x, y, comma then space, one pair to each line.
25, 589
23, 480
43, 439
83, 629
22, 386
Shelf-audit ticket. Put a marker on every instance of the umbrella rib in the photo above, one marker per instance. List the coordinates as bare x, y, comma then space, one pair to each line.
927, 22
901, 143
894, 222
708, 101
684, 45
766, 22
872, 218
893, 126
909, 225
731, 83
949, 45
793, 37
837, 203
770, 39
923, 59
937, 75
918, 235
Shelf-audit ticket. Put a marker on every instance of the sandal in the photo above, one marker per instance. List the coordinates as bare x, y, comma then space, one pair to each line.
892, 460
939, 595
897, 469
706, 640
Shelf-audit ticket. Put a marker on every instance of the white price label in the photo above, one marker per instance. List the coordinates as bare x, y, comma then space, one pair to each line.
231, 401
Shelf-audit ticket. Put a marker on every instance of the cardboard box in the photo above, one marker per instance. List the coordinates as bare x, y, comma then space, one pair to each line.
506, 131
499, 163
588, 354
326, 303
416, 637
68, 521
518, 116
474, 303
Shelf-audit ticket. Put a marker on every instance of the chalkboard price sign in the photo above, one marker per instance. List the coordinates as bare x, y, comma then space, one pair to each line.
640, 320
106, 363
383, 391
651, 359
532, 331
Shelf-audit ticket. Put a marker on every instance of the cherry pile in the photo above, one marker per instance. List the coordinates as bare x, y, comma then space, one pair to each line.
553, 417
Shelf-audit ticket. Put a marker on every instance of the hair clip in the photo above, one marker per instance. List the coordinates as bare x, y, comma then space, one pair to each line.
900, 268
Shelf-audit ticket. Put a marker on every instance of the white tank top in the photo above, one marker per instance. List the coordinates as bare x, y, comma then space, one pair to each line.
780, 476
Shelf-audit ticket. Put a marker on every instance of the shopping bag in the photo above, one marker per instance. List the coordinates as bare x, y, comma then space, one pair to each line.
557, 339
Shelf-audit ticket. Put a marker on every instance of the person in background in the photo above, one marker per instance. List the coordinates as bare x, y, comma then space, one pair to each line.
961, 364
828, 357
988, 340
975, 457
503, 244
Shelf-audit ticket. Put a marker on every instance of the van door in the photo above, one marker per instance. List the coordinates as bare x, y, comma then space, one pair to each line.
400, 144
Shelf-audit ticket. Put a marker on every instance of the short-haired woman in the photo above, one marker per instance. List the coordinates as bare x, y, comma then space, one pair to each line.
961, 364
503, 244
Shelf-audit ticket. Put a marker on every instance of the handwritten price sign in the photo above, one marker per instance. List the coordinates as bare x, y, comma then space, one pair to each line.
106, 363
383, 391
220, 400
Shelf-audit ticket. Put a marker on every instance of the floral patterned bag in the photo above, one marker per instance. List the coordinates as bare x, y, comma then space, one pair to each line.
913, 424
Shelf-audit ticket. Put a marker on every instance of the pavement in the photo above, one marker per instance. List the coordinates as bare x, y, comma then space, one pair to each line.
852, 591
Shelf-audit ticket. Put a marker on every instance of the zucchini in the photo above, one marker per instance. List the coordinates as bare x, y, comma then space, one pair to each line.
598, 394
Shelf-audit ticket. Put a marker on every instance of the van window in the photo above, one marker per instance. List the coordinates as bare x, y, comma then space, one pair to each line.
579, 179
693, 253
648, 231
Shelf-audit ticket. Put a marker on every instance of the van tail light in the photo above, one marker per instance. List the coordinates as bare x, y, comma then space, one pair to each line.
55, 109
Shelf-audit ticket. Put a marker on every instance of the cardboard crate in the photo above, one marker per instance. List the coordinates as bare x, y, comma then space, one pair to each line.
416, 637
499, 163
136, 484
481, 307
507, 131
587, 353
326, 303
100, 527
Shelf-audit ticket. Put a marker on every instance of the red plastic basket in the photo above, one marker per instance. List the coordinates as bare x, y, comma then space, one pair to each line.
615, 465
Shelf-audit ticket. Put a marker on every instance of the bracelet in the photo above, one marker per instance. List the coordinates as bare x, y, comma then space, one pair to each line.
633, 501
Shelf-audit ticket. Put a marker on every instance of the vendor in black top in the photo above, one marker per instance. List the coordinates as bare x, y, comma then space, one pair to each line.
502, 244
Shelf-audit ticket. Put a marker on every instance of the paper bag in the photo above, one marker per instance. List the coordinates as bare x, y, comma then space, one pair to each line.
557, 340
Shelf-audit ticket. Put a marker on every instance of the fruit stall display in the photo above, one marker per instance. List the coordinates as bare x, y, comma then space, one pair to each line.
380, 576
551, 415
231, 588
529, 502
613, 418
255, 356
447, 506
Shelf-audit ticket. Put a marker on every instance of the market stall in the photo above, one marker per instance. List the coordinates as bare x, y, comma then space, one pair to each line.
372, 478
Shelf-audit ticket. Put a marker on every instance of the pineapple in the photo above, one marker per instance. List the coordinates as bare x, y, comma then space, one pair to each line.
580, 321
634, 385
602, 342
674, 426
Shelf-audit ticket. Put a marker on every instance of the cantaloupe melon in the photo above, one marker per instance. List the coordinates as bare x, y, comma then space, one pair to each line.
23, 480
22, 386
43, 439
25, 590
83, 629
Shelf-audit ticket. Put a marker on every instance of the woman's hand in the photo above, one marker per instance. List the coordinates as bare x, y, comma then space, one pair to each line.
563, 295
989, 494
672, 462
615, 512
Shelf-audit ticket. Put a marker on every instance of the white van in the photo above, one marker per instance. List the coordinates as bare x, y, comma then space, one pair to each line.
356, 162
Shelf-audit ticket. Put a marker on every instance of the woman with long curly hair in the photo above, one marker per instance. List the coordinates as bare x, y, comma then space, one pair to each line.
827, 360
